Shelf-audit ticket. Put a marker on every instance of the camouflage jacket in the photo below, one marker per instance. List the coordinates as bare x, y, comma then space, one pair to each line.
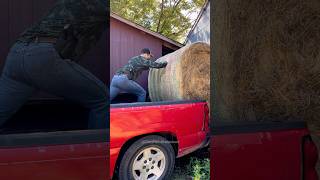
137, 65
88, 19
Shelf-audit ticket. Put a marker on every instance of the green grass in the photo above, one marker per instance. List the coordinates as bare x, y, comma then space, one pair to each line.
199, 168
194, 167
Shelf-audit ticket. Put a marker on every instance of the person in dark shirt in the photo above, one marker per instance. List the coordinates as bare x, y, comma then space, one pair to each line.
124, 79
44, 58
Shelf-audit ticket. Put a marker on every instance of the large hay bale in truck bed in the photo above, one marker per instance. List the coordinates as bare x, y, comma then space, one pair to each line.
267, 57
267, 60
187, 75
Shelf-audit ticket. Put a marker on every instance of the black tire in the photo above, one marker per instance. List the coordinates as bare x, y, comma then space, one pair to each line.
152, 141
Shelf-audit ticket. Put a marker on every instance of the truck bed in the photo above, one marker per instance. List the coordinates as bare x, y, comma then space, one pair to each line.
262, 150
159, 103
47, 116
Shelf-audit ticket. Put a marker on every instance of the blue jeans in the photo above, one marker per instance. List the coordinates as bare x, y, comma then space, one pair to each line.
37, 66
121, 83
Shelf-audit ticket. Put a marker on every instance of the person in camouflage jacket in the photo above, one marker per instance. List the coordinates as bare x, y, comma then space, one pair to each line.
44, 58
124, 79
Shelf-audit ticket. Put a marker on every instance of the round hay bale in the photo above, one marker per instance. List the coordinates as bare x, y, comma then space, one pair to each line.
186, 77
267, 57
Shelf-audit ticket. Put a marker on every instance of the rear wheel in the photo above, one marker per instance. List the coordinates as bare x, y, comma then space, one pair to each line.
149, 158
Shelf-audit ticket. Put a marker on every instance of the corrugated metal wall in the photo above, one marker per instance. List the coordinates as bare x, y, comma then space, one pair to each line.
126, 42
17, 15
201, 32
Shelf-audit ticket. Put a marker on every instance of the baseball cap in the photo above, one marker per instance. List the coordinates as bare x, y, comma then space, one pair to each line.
146, 51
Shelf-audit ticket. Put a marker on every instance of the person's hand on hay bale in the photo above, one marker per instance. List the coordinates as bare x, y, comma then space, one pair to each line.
165, 63
125, 78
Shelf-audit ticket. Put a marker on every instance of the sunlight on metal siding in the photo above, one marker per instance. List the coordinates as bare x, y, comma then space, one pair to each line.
201, 32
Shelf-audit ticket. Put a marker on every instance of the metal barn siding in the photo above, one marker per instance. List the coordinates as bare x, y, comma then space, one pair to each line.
127, 41
201, 30
17, 15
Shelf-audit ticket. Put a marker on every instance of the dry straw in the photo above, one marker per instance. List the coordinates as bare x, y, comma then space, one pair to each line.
267, 57
186, 77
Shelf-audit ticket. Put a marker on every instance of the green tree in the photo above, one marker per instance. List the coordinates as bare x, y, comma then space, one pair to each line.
171, 18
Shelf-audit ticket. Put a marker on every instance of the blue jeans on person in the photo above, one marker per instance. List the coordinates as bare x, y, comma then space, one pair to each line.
38, 66
121, 83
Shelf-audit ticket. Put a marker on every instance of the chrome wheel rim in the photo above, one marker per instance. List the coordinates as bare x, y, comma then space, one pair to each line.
149, 164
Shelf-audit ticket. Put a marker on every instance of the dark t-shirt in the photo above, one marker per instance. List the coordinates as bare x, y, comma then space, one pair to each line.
137, 65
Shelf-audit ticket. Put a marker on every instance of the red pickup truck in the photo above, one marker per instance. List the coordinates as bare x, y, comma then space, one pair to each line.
147, 137
59, 147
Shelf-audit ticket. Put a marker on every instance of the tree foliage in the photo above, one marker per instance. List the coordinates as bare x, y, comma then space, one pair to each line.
171, 18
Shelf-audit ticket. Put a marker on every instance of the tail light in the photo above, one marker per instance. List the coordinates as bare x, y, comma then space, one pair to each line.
310, 158
206, 118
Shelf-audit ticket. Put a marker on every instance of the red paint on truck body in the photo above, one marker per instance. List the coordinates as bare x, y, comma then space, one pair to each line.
61, 162
275, 155
184, 121
36, 160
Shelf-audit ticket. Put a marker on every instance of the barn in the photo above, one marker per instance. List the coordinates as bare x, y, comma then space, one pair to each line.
127, 39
